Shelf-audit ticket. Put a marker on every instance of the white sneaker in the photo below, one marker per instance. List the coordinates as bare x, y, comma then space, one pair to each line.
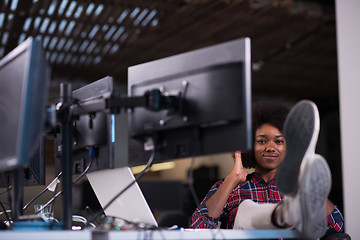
301, 130
304, 177
306, 209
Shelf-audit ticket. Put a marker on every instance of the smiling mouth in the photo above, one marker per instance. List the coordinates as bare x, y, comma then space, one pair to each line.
271, 156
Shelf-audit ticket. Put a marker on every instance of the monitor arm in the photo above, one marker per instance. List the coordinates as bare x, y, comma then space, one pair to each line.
66, 111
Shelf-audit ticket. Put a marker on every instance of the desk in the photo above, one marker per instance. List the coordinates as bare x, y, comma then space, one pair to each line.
148, 234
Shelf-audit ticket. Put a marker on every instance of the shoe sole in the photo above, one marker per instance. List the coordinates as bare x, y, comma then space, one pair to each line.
314, 188
301, 130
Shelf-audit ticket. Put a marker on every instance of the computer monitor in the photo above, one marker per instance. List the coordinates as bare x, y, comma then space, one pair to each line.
214, 87
34, 172
24, 79
95, 130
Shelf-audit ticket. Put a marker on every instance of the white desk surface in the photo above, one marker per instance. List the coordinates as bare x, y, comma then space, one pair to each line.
149, 234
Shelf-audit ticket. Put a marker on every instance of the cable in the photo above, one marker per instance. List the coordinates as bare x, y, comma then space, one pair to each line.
5, 211
92, 156
78, 218
148, 165
43, 191
7, 190
2, 205
9, 202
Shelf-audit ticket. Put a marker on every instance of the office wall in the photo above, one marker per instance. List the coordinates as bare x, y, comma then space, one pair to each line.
348, 40
224, 162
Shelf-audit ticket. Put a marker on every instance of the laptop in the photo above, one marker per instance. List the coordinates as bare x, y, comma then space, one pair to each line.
131, 205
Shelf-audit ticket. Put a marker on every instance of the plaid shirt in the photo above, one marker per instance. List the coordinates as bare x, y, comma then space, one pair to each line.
256, 189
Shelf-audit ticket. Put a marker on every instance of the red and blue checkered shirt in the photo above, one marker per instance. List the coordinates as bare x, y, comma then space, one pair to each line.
256, 189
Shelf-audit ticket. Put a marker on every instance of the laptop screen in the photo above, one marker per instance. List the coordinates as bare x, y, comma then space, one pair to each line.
131, 205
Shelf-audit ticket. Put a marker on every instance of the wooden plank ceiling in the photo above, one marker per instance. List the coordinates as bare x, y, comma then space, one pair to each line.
293, 42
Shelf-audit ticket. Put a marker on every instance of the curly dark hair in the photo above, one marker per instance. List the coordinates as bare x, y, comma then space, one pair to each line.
265, 111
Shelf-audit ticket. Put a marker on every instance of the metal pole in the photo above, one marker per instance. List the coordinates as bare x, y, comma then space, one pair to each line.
17, 193
66, 142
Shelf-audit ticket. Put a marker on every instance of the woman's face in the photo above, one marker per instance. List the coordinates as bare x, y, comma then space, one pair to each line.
269, 147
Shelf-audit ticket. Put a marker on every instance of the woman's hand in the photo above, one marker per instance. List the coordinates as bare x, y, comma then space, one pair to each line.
238, 173
215, 204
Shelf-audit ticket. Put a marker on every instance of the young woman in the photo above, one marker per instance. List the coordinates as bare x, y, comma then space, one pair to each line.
220, 206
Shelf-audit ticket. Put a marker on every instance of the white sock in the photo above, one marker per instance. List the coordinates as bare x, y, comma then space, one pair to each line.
251, 215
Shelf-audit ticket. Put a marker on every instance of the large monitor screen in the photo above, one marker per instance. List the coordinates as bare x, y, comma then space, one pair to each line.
24, 78
213, 85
